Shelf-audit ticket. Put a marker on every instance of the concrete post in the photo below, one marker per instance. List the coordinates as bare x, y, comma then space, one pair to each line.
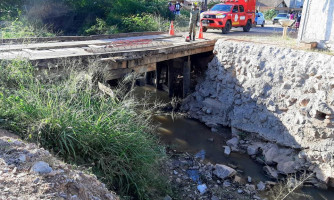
186, 77
170, 78
149, 76
158, 84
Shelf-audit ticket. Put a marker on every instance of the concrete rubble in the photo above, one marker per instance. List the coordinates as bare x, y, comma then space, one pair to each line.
223, 171
284, 97
197, 179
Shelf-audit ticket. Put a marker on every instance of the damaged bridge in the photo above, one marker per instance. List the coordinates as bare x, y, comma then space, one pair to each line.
163, 60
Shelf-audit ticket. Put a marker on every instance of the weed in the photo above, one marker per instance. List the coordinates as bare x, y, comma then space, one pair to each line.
289, 188
70, 117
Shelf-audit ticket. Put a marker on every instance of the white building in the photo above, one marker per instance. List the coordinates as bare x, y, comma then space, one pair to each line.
281, 6
317, 24
294, 3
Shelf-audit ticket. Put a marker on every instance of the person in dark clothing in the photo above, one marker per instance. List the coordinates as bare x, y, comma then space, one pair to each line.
177, 8
299, 18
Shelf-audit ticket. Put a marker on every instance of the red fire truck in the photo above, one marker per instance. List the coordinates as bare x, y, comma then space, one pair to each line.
228, 14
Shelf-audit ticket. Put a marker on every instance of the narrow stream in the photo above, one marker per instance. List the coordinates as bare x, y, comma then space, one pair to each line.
191, 136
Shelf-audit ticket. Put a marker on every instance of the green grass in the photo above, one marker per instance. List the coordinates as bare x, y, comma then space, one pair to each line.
82, 125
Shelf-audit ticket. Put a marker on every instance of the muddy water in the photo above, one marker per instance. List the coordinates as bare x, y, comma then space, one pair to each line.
187, 135
190, 136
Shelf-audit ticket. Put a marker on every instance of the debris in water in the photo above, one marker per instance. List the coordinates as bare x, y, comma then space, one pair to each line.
202, 188
194, 175
200, 154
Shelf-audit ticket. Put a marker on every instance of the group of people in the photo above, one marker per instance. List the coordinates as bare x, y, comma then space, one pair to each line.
175, 8
194, 16
297, 17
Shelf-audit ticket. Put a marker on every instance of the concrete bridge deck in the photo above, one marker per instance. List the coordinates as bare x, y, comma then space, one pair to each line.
120, 56
155, 44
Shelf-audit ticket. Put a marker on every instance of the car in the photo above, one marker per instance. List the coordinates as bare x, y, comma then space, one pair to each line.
280, 16
228, 14
259, 20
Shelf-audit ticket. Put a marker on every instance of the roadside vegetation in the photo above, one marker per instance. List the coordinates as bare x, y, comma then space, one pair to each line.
212, 3
70, 116
44, 18
269, 14
21, 29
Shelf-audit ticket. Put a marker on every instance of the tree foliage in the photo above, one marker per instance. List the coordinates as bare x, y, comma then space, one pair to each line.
77, 16
269, 14
9, 9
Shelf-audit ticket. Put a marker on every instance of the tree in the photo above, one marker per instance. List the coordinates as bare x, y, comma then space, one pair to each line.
10, 9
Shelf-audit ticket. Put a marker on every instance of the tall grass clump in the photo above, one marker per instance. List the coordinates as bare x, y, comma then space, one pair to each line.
72, 118
23, 29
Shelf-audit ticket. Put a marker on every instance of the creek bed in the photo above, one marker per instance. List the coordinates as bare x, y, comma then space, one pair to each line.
193, 137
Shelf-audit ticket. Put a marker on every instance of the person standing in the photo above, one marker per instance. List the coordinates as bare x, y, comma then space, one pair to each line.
194, 19
171, 7
299, 17
177, 8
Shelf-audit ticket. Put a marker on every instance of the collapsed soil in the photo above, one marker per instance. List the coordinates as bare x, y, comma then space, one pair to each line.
18, 179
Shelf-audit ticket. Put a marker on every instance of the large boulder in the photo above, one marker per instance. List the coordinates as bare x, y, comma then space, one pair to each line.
270, 153
288, 167
223, 171
41, 167
233, 143
324, 172
253, 149
271, 172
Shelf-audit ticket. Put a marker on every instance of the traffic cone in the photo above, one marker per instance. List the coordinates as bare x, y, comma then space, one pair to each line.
200, 35
171, 29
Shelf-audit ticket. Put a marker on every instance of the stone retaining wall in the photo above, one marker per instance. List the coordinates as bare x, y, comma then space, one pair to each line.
285, 96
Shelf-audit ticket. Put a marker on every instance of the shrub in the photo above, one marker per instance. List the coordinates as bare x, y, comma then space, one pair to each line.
101, 27
182, 23
212, 3
140, 23
269, 14
22, 29
71, 118
185, 12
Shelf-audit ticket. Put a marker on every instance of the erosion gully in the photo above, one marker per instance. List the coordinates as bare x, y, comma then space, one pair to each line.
191, 136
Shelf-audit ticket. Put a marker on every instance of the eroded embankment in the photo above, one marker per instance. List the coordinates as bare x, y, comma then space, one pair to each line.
29, 172
284, 96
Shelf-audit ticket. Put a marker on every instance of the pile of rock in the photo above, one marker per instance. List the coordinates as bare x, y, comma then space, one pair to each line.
192, 178
29, 172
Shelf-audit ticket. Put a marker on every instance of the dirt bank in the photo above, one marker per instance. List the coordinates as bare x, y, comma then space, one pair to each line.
29, 172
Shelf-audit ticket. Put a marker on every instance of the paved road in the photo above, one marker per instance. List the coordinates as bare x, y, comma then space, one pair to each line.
268, 30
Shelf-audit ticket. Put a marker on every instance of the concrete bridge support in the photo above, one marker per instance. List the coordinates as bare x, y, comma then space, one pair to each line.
178, 76
173, 76
186, 77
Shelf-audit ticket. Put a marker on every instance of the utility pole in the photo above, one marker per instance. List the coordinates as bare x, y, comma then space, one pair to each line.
206, 5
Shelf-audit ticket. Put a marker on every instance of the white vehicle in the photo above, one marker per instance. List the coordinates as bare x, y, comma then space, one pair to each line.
259, 19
